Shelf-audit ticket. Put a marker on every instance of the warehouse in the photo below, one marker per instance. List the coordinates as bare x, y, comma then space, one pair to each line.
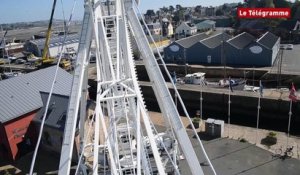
177, 51
210, 48
242, 50
36, 46
245, 50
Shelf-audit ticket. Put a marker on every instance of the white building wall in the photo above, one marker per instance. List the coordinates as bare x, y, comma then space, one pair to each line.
54, 51
275, 50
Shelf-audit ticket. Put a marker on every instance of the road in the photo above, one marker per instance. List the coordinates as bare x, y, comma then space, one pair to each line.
290, 62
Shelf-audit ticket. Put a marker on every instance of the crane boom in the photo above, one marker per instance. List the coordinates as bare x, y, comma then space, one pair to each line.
48, 35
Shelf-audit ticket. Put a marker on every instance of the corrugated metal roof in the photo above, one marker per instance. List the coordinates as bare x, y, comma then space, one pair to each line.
242, 40
21, 94
215, 40
268, 40
190, 41
56, 40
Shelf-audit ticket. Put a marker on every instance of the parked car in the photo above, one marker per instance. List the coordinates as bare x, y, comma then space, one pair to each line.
282, 46
290, 47
20, 61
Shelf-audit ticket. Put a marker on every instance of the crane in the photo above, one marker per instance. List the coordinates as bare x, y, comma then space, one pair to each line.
46, 61
122, 138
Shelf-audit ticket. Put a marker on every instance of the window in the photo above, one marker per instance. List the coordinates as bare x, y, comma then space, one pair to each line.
49, 111
208, 59
62, 120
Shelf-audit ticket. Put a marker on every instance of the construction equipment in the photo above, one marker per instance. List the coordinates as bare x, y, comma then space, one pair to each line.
46, 60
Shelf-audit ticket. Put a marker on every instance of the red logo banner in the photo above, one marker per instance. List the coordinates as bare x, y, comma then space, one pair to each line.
264, 12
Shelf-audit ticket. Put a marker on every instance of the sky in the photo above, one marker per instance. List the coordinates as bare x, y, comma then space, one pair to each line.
32, 10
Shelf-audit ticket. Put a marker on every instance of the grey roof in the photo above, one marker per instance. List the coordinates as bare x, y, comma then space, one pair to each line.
268, 40
56, 40
208, 22
21, 95
215, 40
56, 115
242, 40
154, 25
190, 41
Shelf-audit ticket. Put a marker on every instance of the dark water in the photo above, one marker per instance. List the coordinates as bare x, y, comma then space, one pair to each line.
265, 122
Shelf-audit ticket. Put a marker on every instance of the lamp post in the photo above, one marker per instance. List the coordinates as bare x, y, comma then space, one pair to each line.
245, 73
186, 68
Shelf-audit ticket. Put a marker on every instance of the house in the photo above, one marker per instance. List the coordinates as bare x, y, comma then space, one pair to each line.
167, 28
206, 25
36, 46
210, 11
154, 28
186, 29
21, 101
221, 21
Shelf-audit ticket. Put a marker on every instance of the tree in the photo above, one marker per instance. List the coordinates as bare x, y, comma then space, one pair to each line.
178, 7
282, 4
198, 8
164, 9
219, 12
150, 13
294, 9
171, 9
225, 7
269, 4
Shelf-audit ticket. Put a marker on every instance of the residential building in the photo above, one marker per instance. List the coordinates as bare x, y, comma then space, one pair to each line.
206, 25
154, 28
167, 28
186, 29
210, 11
221, 21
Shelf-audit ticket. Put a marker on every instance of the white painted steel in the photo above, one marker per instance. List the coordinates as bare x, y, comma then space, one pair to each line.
162, 93
119, 104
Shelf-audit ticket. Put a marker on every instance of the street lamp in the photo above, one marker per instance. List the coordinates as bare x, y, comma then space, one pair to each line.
186, 67
245, 73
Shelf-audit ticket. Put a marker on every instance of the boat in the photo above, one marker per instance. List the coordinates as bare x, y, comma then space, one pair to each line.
7, 75
198, 78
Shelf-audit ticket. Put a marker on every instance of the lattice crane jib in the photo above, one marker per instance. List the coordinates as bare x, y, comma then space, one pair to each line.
129, 144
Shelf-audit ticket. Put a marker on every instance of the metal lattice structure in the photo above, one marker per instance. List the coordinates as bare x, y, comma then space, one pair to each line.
124, 140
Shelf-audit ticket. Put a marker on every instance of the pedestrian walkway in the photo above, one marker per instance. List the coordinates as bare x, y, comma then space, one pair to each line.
246, 133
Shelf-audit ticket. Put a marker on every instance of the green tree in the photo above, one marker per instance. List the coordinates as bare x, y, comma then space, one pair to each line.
219, 12
198, 8
150, 13
295, 8
171, 9
269, 3
282, 4
178, 7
